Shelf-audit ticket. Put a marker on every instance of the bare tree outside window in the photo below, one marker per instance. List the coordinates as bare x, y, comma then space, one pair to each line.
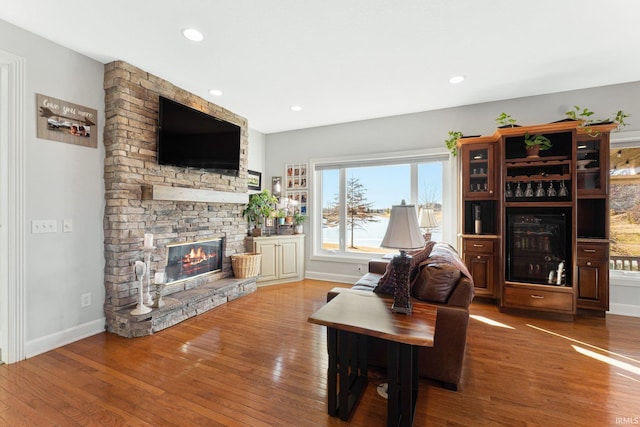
358, 209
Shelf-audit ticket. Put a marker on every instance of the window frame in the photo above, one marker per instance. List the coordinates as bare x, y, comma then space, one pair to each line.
620, 141
450, 184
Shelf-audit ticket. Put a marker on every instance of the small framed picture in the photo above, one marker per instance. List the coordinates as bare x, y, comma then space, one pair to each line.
255, 180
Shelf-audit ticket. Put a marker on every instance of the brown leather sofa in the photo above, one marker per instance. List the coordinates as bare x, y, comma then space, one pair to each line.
444, 361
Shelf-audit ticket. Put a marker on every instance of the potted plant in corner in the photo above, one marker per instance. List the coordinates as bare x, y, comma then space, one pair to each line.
535, 144
260, 206
299, 219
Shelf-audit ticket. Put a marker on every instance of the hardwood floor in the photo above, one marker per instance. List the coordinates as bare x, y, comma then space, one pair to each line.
257, 362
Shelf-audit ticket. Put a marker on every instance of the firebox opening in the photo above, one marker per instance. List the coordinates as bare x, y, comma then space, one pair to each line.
193, 259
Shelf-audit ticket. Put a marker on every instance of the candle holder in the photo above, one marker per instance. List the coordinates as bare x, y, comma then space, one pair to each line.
140, 269
148, 300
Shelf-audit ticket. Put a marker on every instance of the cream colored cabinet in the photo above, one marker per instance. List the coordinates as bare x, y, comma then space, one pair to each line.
282, 258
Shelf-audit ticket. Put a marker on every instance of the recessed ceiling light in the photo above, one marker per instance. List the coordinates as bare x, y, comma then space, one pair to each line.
296, 108
456, 79
192, 34
215, 92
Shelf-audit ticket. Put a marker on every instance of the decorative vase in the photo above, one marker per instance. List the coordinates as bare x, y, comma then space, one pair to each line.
533, 151
298, 229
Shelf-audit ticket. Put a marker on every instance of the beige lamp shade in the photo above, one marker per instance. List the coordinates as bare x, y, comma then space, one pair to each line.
403, 231
427, 219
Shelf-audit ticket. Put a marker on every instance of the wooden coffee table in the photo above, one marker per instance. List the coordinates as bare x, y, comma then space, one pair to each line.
353, 316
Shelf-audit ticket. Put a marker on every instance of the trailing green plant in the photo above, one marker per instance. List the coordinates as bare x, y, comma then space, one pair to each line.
538, 139
619, 119
260, 206
583, 115
452, 141
505, 119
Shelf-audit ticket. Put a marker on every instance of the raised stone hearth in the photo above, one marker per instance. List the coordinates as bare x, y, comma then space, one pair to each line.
176, 205
182, 305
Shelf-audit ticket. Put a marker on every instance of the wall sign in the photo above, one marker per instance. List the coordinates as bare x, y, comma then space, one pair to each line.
64, 121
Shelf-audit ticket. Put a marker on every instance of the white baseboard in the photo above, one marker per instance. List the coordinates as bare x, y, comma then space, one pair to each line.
624, 310
329, 277
50, 342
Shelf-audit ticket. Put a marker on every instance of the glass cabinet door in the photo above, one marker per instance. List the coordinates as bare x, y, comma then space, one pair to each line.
592, 165
478, 171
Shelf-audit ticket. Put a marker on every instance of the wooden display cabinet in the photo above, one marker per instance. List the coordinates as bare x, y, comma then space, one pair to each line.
543, 242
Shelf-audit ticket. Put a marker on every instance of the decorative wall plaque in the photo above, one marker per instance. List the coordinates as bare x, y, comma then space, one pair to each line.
64, 121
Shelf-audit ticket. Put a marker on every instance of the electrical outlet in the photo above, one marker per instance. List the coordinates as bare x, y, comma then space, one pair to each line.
85, 300
39, 226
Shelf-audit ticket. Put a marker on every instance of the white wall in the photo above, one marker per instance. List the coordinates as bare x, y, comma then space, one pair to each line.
429, 130
63, 181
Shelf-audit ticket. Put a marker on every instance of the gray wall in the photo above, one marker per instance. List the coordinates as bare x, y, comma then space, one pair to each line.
428, 130
63, 181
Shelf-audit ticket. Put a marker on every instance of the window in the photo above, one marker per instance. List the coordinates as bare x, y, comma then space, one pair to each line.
624, 204
354, 200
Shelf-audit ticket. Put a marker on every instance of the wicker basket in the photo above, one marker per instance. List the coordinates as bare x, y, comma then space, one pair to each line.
245, 265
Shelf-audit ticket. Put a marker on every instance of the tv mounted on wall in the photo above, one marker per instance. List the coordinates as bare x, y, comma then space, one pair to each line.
192, 139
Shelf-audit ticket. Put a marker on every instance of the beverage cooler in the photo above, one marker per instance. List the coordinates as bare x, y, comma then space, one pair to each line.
538, 246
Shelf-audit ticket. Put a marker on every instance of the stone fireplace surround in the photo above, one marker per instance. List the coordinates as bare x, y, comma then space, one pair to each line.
131, 110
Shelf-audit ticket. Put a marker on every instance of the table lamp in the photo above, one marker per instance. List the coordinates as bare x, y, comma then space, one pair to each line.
427, 221
403, 233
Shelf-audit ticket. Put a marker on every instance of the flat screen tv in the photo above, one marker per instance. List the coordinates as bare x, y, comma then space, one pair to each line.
192, 139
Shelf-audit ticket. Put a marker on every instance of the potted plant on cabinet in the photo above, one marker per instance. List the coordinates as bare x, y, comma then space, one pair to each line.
535, 144
506, 121
583, 115
299, 219
452, 141
260, 206
281, 214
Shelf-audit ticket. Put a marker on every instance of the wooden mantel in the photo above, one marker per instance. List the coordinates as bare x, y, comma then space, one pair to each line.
182, 194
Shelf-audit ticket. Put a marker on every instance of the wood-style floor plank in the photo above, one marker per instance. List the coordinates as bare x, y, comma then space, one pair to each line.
256, 361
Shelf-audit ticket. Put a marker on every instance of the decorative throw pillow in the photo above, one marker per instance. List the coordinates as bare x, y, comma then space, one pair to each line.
387, 282
435, 282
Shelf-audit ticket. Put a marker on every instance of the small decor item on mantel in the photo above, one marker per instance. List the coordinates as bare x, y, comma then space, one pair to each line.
535, 144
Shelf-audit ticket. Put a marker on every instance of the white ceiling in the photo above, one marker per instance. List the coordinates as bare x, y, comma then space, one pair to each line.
346, 60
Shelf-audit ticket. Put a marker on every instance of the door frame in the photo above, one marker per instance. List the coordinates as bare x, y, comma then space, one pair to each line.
12, 208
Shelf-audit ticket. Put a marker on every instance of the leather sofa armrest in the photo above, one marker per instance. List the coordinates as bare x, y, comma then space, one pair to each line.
378, 265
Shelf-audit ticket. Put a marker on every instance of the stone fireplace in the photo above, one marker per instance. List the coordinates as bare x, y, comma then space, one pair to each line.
177, 205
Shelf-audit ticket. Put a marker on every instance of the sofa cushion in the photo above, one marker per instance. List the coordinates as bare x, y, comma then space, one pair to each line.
368, 282
387, 283
435, 281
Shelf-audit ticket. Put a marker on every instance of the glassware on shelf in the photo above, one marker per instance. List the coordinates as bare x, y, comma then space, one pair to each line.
528, 192
551, 192
508, 194
563, 192
540, 191
519, 192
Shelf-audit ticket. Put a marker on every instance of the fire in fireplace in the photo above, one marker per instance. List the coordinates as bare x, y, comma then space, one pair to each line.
189, 260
